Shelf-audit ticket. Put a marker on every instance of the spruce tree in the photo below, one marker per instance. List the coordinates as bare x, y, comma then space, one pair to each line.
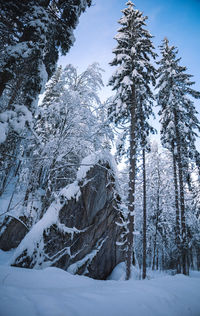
33, 33
178, 132
132, 104
36, 30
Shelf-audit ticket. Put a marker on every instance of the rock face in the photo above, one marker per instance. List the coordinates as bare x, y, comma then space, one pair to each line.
83, 237
12, 232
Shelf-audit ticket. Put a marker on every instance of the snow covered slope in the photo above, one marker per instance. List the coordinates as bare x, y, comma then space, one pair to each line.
54, 292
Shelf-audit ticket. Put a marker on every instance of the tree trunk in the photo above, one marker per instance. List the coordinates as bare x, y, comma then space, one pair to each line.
177, 229
9, 150
157, 219
15, 92
144, 217
131, 207
155, 243
198, 257
182, 200
163, 259
5, 76
157, 260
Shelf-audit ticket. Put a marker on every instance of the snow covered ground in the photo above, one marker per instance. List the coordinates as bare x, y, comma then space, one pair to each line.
54, 292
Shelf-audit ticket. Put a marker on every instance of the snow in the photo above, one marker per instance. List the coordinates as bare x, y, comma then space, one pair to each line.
54, 292
72, 191
3, 132
15, 119
123, 20
35, 236
43, 77
133, 50
119, 273
134, 73
120, 36
120, 57
127, 81
19, 50
91, 160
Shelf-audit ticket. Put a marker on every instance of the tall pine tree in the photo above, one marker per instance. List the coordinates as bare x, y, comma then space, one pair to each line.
178, 133
132, 105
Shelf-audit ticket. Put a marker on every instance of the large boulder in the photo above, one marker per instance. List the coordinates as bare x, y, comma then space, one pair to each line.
12, 231
78, 233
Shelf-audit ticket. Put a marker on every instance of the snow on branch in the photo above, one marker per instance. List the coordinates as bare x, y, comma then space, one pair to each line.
15, 120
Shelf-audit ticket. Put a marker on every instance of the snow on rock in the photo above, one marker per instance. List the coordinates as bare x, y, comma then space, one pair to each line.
71, 191
73, 268
35, 236
93, 159
78, 229
53, 292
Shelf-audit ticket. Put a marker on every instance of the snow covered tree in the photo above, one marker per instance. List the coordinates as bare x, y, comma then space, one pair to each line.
160, 204
160, 230
33, 32
178, 132
192, 220
70, 125
144, 215
132, 104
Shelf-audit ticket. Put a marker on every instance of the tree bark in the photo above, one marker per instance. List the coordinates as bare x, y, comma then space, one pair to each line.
182, 200
144, 217
177, 228
131, 207
157, 219
155, 243
5, 76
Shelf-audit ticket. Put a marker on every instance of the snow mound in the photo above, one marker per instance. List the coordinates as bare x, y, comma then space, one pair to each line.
53, 292
119, 273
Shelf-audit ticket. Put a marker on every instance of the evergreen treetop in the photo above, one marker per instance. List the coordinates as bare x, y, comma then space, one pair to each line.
134, 73
177, 108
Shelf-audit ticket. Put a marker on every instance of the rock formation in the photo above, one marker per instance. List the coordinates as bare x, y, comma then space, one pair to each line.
12, 231
78, 232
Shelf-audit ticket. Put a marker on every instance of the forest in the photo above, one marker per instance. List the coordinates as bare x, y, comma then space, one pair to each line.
91, 186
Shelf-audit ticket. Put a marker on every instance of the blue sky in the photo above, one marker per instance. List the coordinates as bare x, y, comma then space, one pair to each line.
179, 21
